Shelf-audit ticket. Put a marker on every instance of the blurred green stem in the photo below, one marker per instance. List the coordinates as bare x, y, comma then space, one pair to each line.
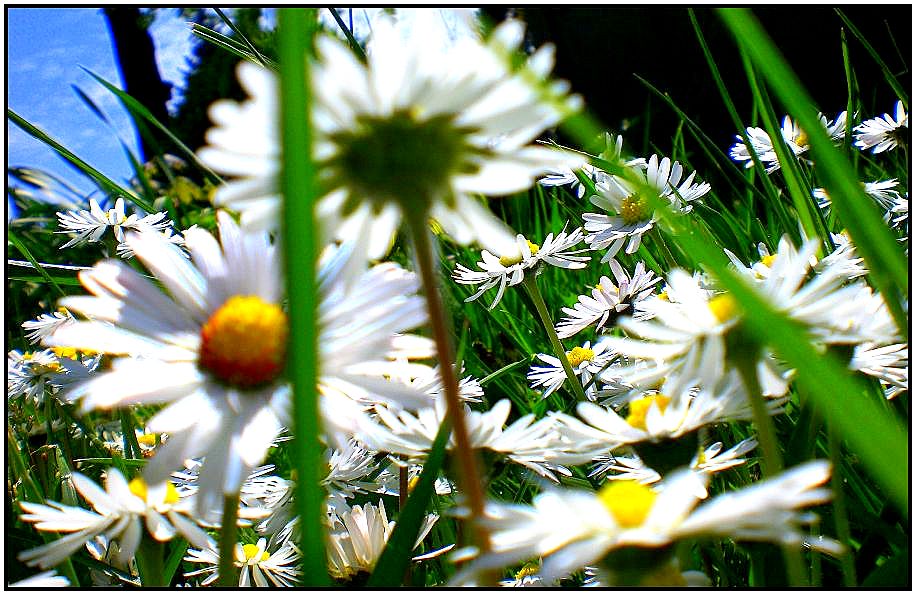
530, 284
839, 508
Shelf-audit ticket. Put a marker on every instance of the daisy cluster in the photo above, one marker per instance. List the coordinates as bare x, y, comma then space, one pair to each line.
617, 406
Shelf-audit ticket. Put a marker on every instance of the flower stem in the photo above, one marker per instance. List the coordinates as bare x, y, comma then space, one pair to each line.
464, 452
149, 562
531, 286
772, 460
228, 577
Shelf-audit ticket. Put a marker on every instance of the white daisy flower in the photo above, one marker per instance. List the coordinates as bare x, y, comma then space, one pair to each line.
881, 191
49, 579
586, 361
358, 537
49, 371
527, 576
574, 528
792, 135
46, 324
91, 225
257, 566
563, 176
900, 215
525, 441
711, 459
883, 133
506, 271
119, 509
655, 418
608, 300
460, 117
631, 214
888, 363
125, 251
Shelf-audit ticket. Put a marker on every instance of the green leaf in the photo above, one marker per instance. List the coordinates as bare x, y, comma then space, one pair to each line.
98, 177
230, 45
392, 564
13, 239
885, 69
895, 573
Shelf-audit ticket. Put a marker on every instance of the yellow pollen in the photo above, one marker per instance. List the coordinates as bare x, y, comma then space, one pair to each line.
629, 501
723, 307
508, 261
413, 483
579, 355
251, 550
529, 569
137, 487
244, 341
27, 356
634, 209
533, 247
65, 352
62, 310
664, 296
640, 407
802, 139
171, 494
599, 287
767, 260
147, 439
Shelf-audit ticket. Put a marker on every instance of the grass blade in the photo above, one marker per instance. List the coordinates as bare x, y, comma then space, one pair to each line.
296, 27
859, 214
392, 564
902, 95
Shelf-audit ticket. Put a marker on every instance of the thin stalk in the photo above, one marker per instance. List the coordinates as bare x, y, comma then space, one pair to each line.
656, 235
131, 444
228, 577
296, 27
531, 286
463, 452
772, 460
839, 508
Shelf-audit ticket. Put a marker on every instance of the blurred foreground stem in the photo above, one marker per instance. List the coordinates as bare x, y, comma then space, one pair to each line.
464, 452
746, 362
228, 530
530, 284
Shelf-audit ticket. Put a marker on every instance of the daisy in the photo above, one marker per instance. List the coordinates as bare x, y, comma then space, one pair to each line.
888, 363
883, 133
508, 270
461, 118
630, 213
608, 300
119, 510
91, 225
526, 441
358, 537
708, 460
882, 192
125, 251
574, 528
258, 567
586, 361
46, 324
793, 136
50, 371
656, 417
566, 176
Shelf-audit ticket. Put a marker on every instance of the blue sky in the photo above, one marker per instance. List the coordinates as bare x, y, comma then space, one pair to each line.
46, 48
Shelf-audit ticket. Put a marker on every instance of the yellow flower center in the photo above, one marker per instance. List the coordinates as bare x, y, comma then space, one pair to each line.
244, 342
664, 296
724, 307
507, 261
138, 488
413, 483
251, 550
629, 501
640, 407
768, 260
579, 355
802, 139
529, 569
147, 439
633, 209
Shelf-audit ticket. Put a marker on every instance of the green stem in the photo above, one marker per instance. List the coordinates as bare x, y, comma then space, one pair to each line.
228, 576
839, 508
130, 437
531, 286
656, 235
464, 451
772, 460
296, 27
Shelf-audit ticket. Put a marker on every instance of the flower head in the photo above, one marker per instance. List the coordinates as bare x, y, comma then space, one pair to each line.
883, 133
